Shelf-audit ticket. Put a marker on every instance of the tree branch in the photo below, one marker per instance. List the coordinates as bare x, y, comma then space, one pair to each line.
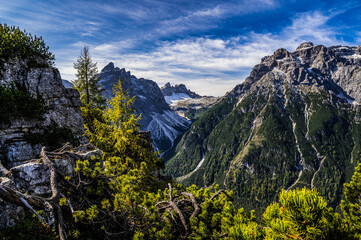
53, 180
196, 207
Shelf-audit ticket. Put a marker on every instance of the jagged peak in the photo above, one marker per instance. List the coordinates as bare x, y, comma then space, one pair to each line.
305, 45
281, 53
108, 67
169, 90
111, 68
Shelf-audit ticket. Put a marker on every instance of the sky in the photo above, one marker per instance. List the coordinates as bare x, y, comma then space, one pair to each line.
211, 46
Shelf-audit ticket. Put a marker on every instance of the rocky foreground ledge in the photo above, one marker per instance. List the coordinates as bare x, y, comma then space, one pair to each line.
40, 180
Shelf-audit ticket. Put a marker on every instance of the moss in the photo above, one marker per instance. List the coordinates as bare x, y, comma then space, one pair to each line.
16, 102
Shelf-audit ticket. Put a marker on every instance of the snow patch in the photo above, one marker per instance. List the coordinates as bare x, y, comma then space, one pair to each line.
276, 70
175, 97
354, 56
164, 125
347, 98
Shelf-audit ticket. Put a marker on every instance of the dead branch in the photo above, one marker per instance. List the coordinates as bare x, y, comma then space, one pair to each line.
217, 193
53, 181
175, 207
196, 207
13, 196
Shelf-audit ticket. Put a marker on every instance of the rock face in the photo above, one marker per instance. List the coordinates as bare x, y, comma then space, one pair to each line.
294, 122
186, 103
157, 117
33, 178
62, 110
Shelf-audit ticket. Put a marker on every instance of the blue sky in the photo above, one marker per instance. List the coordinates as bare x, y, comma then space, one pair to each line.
209, 45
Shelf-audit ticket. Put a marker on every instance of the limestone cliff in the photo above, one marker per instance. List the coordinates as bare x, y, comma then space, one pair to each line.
22, 137
62, 110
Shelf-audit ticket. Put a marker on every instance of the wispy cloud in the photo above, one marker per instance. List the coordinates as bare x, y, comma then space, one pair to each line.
214, 66
207, 18
178, 41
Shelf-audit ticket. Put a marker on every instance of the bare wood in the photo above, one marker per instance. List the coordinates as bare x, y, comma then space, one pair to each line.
32, 209
13, 196
197, 209
217, 193
61, 231
170, 192
53, 181
175, 207
69, 203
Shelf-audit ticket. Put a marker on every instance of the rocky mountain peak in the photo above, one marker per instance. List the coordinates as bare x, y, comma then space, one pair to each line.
108, 68
292, 122
165, 125
167, 85
177, 92
305, 45
335, 69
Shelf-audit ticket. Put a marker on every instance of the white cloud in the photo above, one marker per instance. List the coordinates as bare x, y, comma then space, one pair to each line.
212, 66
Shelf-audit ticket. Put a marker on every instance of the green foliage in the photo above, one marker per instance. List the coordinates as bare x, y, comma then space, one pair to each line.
217, 218
301, 214
351, 208
191, 148
87, 82
251, 147
15, 103
16, 43
29, 229
53, 137
116, 184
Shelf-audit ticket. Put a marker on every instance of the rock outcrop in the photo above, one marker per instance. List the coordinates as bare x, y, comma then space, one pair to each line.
157, 117
62, 111
18, 135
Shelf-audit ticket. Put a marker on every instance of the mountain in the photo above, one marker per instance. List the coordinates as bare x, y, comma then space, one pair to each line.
186, 103
156, 115
177, 92
66, 83
294, 122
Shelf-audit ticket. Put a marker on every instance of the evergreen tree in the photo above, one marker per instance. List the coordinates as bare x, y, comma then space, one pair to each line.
116, 183
87, 82
351, 208
301, 214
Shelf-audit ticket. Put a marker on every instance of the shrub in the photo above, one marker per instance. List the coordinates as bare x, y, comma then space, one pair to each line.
17, 43
15, 103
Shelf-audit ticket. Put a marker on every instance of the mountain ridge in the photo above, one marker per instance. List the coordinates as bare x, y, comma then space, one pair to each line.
280, 128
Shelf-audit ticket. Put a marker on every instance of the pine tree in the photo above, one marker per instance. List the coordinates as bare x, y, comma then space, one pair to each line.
351, 208
301, 214
87, 82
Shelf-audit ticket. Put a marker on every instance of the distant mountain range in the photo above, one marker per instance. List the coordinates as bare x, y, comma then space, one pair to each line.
66, 83
294, 122
156, 115
186, 103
